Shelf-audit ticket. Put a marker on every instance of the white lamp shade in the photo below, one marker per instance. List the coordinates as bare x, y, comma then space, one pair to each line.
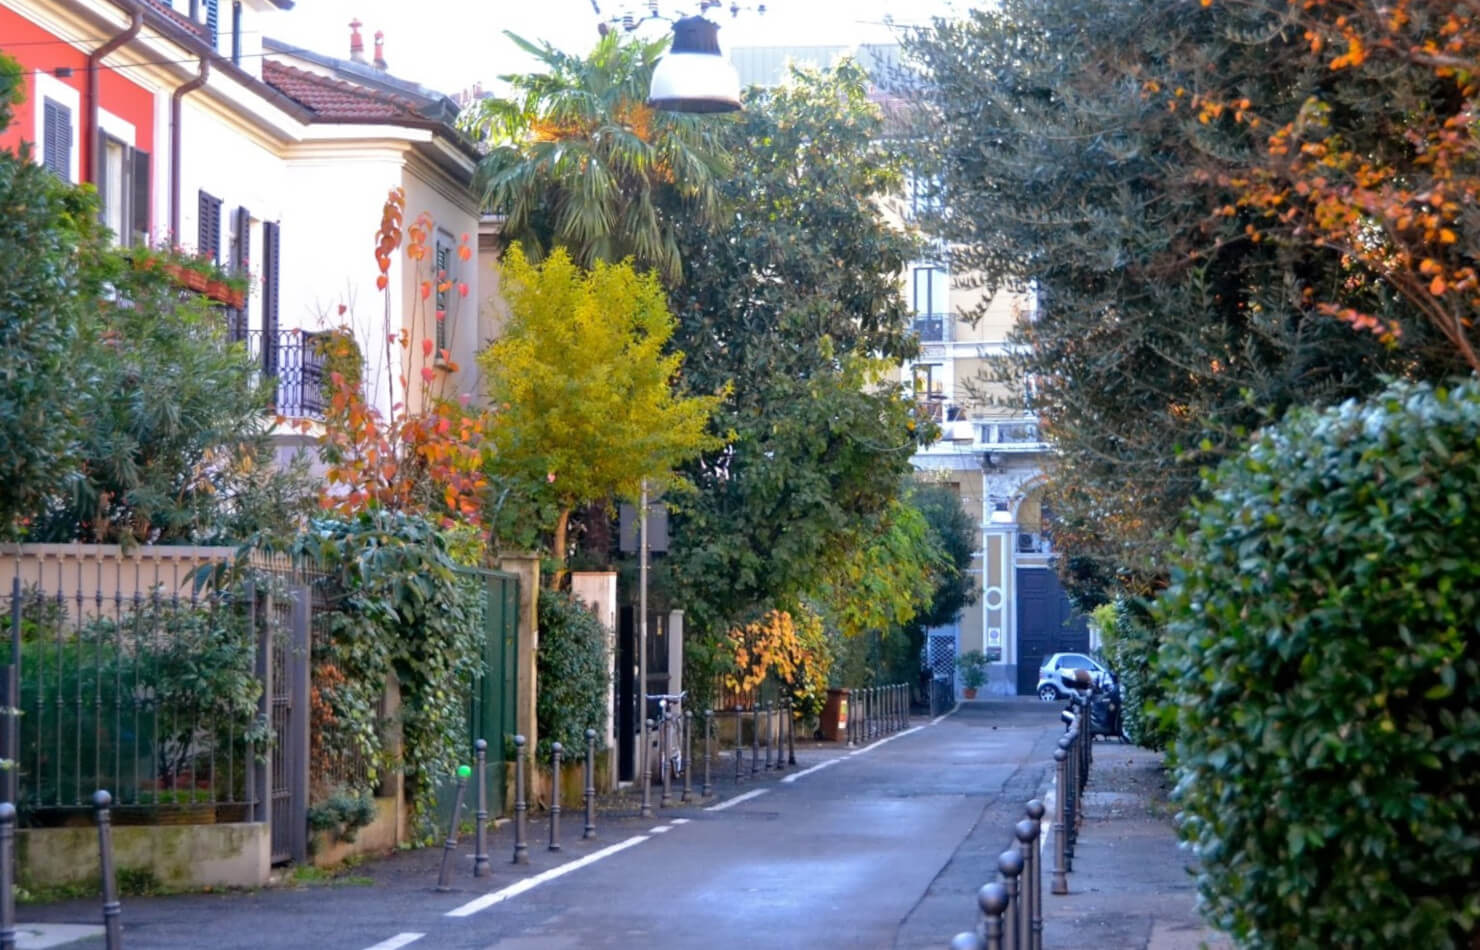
1001, 516
694, 77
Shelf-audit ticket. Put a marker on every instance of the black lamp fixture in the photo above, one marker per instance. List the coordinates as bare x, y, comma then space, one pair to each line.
694, 76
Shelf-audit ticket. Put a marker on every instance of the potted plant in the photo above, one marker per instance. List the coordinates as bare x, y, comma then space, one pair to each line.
973, 668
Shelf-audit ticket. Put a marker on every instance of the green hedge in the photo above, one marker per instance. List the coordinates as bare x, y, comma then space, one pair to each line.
1323, 632
573, 671
1131, 640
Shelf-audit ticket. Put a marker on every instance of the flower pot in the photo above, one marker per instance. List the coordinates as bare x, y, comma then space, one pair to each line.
193, 279
969, 692
218, 290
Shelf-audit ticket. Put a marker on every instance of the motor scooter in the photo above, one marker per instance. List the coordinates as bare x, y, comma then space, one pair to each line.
1100, 695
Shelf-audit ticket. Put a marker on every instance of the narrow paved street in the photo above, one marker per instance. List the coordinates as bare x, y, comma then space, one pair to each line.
883, 847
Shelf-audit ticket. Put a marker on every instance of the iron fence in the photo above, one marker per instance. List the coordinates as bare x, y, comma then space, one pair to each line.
293, 358
154, 696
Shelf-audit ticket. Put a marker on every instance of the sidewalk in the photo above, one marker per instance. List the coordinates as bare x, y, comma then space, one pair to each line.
1131, 888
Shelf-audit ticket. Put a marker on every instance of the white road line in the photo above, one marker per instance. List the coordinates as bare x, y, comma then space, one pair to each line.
679, 821
732, 802
818, 767
530, 883
660, 829
944, 715
396, 942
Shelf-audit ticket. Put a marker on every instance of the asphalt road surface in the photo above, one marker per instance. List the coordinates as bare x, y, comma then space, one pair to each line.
879, 847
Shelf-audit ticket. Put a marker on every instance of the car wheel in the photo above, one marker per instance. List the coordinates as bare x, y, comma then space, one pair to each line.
1048, 694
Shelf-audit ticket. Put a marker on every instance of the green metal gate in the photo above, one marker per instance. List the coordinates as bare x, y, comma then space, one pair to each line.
491, 706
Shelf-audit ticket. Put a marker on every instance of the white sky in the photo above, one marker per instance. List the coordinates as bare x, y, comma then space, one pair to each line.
450, 44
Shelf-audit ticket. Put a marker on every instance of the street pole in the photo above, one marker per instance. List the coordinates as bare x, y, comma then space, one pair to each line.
642, 617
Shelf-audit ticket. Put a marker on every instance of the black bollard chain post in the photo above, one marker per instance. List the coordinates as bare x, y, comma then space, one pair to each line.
7, 882
1061, 788
769, 733
646, 811
755, 732
968, 940
590, 831
739, 747
1035, 911
708, 787
556, 750
992, 899
481, 864
1010, 866
521, 807
1026, 832
444, 874
688, 757
665, 759
791, 732
112, 926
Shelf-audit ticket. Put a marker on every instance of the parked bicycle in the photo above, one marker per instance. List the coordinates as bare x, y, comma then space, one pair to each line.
666, 710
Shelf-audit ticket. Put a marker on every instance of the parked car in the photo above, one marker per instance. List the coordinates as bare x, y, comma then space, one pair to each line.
1050, 687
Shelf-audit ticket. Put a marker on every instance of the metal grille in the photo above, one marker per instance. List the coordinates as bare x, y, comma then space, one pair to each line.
941, 655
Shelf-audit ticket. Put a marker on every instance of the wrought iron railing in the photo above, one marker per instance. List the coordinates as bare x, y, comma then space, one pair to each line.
292, 357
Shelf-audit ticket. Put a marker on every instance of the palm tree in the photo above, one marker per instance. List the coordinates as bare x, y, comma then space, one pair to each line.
578, 159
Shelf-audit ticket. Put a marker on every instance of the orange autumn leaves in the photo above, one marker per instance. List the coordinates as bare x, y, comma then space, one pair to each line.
1402, 214
792, 648
426, 454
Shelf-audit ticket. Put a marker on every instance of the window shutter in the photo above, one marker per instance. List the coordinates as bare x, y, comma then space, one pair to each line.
209, 241
57, 147
442, 276
236, 32
241, 229
142, 197
100, 176
271, 249
213, 23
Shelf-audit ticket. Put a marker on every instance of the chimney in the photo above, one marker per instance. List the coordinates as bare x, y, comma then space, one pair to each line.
356, 42
380, 50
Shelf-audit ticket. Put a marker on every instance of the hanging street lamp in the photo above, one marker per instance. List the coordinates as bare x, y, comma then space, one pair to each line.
694, 76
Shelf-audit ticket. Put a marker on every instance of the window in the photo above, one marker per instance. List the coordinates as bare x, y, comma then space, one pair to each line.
241, 241
208, 242
56, 152
925, 194
123, 187
928, 291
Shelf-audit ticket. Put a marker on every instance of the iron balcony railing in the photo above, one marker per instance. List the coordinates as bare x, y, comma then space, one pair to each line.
291, 357
930, 327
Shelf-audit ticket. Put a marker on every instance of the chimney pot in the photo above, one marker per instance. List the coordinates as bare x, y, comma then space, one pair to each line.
356, 41
380, 50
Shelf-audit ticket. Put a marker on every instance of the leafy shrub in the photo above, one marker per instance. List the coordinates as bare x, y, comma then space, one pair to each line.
1131, 640
1322, 630
573, 671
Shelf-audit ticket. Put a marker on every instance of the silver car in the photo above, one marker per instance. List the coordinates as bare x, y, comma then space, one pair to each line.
1050, 687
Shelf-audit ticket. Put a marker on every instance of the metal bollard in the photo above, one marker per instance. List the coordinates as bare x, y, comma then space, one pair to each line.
521, 848
481, 864
707, 787
739, 746
1027, 836
665, 798
992, 899
769, 722
1061, 782
1010, 866
7, 882
556, 749
112, 926
590, 830
968, 940
847, 701
688, 756
1035, 910
791, 733
444, 874
1067, 745
755, 738
646, 811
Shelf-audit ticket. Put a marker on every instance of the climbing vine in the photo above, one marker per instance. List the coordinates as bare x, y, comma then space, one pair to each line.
395, 605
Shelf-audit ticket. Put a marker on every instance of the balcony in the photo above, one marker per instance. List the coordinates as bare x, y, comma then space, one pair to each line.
931, 327
293, 359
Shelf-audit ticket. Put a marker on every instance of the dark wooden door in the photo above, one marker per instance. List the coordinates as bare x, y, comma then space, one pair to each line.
1046, 624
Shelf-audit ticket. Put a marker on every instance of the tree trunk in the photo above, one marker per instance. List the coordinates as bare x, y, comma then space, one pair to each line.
562, 525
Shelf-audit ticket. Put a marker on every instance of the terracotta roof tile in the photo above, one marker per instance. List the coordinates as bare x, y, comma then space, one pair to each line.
335, 100
177, 18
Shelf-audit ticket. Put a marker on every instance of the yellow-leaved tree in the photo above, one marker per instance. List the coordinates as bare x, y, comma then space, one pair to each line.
586, 402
